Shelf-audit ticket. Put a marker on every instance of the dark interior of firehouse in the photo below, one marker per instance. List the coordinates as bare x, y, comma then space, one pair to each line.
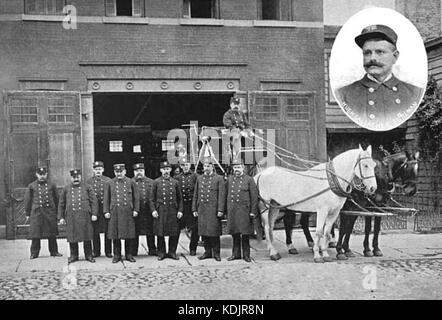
131, 128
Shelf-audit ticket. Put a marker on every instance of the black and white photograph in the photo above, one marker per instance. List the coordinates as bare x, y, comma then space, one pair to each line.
220, 158
387, 50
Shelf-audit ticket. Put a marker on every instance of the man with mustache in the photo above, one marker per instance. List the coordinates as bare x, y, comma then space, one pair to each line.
121, 205
379, 101
77, 208
242, 207
208, 205
41, 201
166, 202
187, 180
100, 226
144, 221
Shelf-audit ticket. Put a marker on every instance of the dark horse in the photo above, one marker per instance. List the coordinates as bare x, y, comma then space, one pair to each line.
394, 169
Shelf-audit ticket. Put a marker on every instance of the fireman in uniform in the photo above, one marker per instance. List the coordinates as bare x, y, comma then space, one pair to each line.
167, 204
208, 205
77, 209
187, 180
235, 120
121, 206
242, 207
100, 226
41, 201
144, 221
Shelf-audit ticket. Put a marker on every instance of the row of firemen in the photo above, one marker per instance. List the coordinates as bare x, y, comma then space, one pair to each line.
125, 208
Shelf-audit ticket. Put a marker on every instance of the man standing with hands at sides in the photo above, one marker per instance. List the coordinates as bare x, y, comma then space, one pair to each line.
208, 205
242, 207
186, 181
41, 201
144, 221
121, 206
167, 204
97, 182
77, 209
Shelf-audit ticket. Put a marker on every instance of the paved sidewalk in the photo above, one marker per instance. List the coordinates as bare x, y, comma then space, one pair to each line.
395, 245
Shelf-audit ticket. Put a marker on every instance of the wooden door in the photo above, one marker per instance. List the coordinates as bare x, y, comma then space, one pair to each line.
44, 129
293, 117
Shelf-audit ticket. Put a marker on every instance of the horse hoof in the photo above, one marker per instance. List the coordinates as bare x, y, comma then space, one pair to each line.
332, 244
275, 257
368, 253
293, 251
328, 259
341, 256
377, 253
350, 254
310, 244
319, 260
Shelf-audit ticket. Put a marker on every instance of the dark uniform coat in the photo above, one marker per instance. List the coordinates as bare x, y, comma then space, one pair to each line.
41, 202
379, 106
187, 183
77, 205
144, 220
166, 198
121, 198
235, 119
209, 198
97, 184
242, 199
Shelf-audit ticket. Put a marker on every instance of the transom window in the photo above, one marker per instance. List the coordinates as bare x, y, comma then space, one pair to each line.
24, 110
44, 6
267, 108
298, 108
60, 110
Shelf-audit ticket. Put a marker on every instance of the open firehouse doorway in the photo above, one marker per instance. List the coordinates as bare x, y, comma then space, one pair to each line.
131, 128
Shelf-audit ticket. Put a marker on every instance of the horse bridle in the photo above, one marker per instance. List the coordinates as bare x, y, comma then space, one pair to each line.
358, 181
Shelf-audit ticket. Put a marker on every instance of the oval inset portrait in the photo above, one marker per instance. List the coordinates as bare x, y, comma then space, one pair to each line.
378, 69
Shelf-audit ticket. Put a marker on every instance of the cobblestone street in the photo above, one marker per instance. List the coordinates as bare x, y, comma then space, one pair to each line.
411, 268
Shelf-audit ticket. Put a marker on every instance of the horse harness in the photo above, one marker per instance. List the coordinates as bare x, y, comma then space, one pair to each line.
333, 182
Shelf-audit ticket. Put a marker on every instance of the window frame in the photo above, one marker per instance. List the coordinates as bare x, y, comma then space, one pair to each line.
112, 11
45, 5
186, 11
259, 13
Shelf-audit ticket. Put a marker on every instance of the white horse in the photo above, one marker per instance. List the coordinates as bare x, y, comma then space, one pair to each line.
310, 191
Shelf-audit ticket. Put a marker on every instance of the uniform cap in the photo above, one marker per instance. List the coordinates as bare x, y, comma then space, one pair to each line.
138, 166
42, 170
75, 172
98, 164
207, 160
234, 100
376, 31
236, 162
165, 164
119, 167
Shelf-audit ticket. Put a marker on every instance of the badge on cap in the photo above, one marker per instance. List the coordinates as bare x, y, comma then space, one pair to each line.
138, 166
234, 100
42, 170
75, 173
165, 164
119, 167
98, 164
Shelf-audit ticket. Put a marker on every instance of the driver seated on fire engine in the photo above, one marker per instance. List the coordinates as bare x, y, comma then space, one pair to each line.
235, 121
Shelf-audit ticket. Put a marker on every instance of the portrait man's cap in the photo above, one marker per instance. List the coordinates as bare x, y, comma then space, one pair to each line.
183, 160
98, 164
42, 170
119, 167
138, 166
376, 31
207, 160
75, 172
165, 164
234, 100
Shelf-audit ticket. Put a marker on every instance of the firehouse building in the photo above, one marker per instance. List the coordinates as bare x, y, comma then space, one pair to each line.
106, 80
